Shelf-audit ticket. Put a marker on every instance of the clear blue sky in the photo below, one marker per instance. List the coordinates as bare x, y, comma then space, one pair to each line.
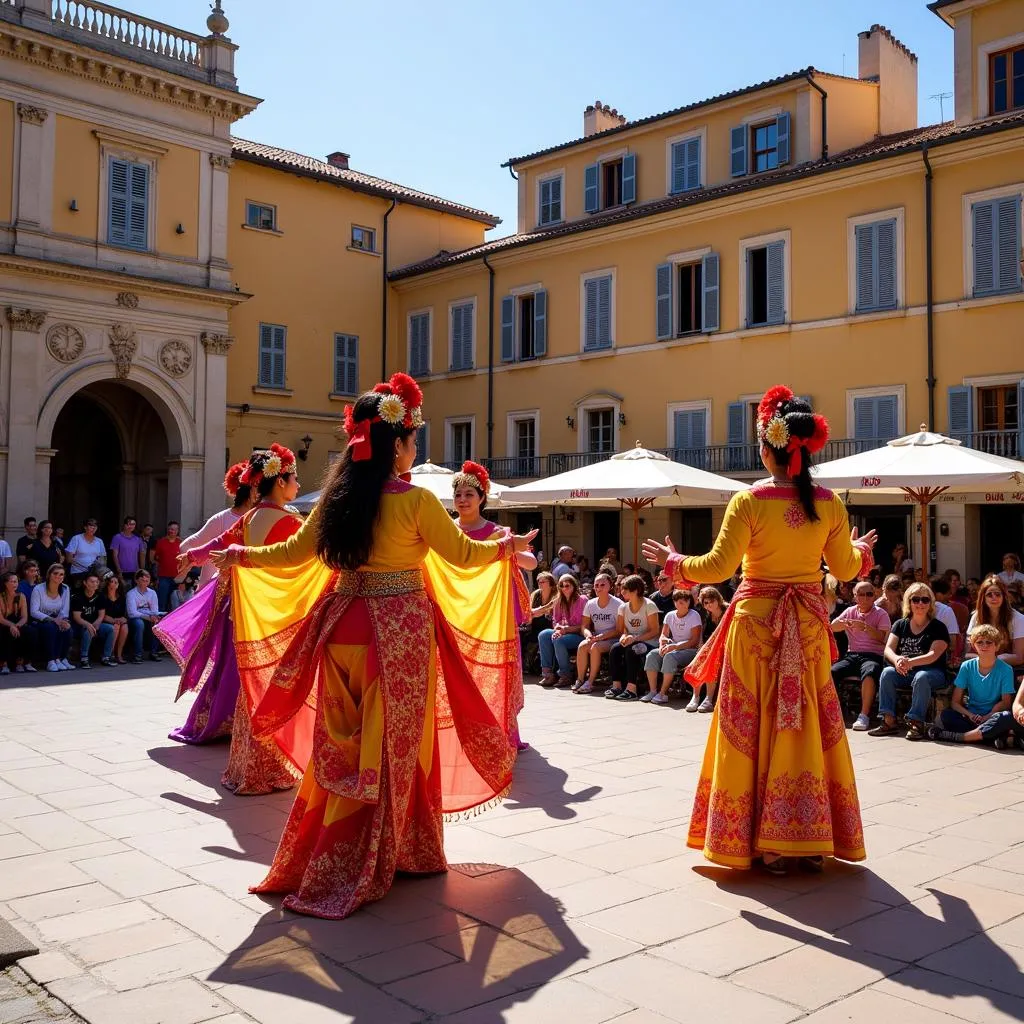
436, 95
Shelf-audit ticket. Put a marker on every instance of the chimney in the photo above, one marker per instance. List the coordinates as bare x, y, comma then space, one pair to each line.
339, 160
599, 118
882, 58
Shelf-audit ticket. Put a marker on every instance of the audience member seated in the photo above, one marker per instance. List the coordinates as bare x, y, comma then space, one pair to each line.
1011, 569
916, 656
611, 558
15, 648
50, 609
663, 596
638, 629
143, 614
866, 628
947, 616
891, 598
84, 552
599, 632
583, 572
982, 697
713, 605
563, 562
46, 550
973, 586
901, 561
993, 609
677, 647
559, 643
28, 574
115, 613
88, 614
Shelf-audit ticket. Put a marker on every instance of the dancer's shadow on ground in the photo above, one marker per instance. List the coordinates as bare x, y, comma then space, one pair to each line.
490, 941
248, 817
956, 956
541, 785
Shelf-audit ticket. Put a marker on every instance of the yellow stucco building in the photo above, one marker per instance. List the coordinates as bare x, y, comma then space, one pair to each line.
192, 294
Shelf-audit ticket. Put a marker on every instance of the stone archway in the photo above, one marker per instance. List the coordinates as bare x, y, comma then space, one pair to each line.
110, 460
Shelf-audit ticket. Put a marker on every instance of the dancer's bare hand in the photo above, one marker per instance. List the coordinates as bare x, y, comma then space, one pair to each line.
870, 538
224, 559
657, 554
521, 541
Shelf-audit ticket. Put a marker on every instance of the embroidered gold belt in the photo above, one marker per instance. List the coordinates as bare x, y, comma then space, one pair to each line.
379, 584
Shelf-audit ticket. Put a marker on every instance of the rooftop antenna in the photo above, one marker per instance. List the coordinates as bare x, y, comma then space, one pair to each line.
941, 97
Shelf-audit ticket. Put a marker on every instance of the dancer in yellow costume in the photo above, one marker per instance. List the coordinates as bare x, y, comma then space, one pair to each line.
402, 733
777, 780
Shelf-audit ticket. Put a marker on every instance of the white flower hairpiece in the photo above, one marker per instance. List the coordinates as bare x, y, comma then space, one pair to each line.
391, 410
272, 467
776, 433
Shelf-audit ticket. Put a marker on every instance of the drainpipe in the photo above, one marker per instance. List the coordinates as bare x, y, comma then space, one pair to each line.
928, 275
824, 114
490, 361
384, 295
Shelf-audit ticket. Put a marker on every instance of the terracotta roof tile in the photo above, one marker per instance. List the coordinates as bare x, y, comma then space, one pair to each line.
878, 149
298, 163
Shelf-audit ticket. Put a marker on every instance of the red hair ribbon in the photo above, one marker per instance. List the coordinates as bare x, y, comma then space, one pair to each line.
813, 444
359, 441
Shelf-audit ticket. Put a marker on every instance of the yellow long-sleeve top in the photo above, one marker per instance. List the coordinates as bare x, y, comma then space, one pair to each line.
412, 521
767, 530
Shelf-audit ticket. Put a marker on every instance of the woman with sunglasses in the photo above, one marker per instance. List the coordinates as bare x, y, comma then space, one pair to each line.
995, 609
915, 656
559, 644
50, 608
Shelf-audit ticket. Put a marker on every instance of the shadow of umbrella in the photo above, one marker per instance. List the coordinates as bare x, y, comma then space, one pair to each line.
479, 939
541, 785
955, 955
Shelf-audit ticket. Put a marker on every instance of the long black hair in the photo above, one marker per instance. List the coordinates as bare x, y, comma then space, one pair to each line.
242, 496
350, 503
799, 419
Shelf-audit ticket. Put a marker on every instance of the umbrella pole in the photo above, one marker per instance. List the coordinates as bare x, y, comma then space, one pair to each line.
924, 496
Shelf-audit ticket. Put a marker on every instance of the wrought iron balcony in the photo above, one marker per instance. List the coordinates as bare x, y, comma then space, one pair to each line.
515, 467
1006, 443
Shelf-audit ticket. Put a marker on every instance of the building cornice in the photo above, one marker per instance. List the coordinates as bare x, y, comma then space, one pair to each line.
20, 43
118, 282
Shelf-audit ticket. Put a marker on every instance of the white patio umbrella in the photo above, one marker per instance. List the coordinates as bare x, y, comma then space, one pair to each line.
922, 466
635, 479
434, 478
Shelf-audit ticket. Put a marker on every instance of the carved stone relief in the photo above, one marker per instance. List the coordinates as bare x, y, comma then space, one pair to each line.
65, 342
123, 345
176, 357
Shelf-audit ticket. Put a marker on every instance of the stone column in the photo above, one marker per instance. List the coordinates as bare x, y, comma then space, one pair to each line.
185, 491
215, 423
219, 268
23, 405
44, 456
34, 195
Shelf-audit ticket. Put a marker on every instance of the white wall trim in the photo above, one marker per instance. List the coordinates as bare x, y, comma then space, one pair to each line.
967, 202
693, 133
511, 419
787, 262
526, 289
690, 256
429, 310
984, 51
899, 390
765, 114
852, 223
994, 380
466, 300
583, 427
541, 178
673, 407
452, 421
587, 276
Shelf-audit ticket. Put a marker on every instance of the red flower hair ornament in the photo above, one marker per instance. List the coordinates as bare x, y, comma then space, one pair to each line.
400, 405
476, 476
773, 430
233, 477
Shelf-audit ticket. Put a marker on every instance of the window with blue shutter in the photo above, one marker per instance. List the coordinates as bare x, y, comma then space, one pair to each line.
272, 356
996, 232
766, 284
422, 445
462, 336
628, 179
591, 182
597, 313
508, 329
685, 165
690, 436
663, 301
960, 412
738, 151
782, 138
875, 419
550, 201
540, 323
736, 426
419, 344
127, 203
875, 253
346, 364
711, 289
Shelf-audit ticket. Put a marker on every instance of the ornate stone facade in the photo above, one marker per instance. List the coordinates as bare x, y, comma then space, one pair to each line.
223, 163
216, 344
128, 300
25, 319
65, 342
33, 115
123, 344
175, 357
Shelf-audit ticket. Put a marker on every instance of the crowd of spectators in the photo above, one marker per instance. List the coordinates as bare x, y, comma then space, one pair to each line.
902, 638
85, 597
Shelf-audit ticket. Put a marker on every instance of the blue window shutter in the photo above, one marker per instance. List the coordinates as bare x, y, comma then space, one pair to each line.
1007, 243
422, 445
888, 416
117, 203
266, 367
508, 328
556, 199
629, 178
352, 380
604, 312
678, 167
1020, 420
138, 201
984, 228
468, 341
711, 317
960, 399
865, 419
737, 435
590, 314
776, 282
540, 322
864, 237
692, 158
419, 344
782, 135
681, 430
279, 357
885, 263
738, 151
339, 364
663, 303
457, 337
591, 176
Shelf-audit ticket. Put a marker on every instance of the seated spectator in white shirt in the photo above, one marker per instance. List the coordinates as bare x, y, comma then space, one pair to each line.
143, 613
677, 646
945, 614
50, 609
994, 609
600, 621
1011, 569
84, 551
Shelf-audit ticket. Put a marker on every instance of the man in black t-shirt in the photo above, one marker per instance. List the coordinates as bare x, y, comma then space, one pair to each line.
88, 610
662, 596
24, 543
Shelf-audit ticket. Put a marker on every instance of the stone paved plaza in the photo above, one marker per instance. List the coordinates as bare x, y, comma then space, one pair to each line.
577, 902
